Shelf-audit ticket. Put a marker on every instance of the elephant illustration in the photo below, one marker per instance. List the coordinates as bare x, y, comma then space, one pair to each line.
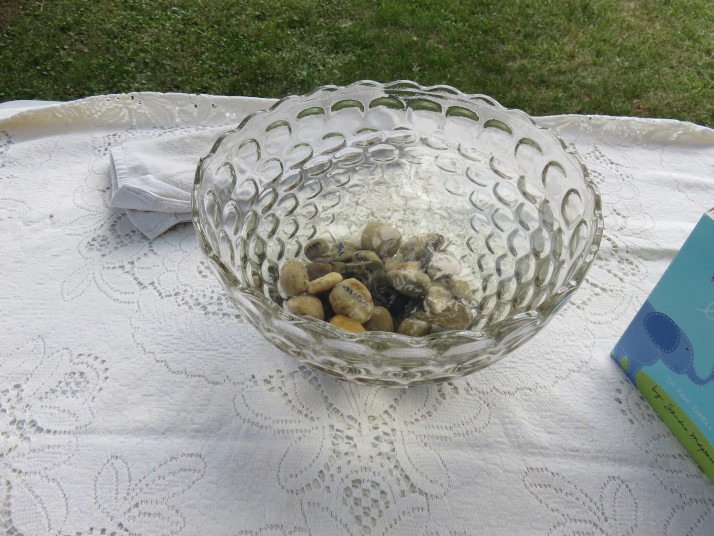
653, 336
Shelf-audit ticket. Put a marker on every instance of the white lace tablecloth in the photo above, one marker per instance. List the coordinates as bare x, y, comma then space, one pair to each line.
134, 400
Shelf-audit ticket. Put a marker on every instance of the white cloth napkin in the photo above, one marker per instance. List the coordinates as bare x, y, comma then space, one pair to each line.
152, 178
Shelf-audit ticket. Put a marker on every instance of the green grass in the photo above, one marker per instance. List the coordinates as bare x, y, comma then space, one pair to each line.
652, 58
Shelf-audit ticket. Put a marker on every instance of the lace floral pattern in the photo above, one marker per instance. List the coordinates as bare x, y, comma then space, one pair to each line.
4, 144
691, 512
144, 506
614, 510
373, 454
46, 398
148, 406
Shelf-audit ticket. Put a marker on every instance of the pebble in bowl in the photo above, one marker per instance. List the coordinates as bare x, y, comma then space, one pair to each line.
436, 173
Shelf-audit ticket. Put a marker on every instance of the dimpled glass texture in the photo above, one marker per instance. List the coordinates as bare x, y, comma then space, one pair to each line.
518, 209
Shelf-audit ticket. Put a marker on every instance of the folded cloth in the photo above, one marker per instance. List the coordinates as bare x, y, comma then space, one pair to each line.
152, 179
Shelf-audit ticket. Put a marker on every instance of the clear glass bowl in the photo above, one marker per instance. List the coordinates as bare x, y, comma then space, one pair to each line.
517, 207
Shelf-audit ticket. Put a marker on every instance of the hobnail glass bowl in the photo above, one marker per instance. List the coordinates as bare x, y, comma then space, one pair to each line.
517, 207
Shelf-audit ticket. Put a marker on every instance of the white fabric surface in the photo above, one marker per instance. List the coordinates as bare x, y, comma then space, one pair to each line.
134, 400
24, 104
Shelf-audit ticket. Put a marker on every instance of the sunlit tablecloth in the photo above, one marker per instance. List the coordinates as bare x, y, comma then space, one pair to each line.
135, 400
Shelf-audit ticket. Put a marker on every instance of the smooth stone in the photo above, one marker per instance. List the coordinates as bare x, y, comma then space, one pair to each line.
316, 270
459, 288
317, 250
443, 264
391, 263
415, 327
431, 244
293, 277
364, 271
343, 251
437, 298
407, 265
306, 306
422, 315
381, 320
364, 255
324, 283
434, 242
422, 247
351, 298
455, 316
347, 323
381, 238
409, 282
409, 247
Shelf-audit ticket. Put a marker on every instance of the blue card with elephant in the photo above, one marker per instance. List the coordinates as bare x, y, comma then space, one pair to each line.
668, 349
